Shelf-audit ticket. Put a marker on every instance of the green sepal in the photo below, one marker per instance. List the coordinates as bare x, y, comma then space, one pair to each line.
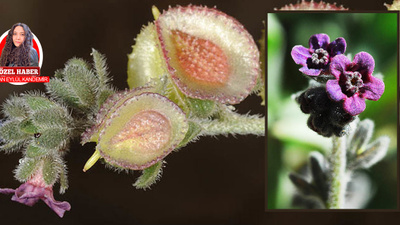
63, 181
14, 107
193, 131
33, 151
28, 127
52, 138
10, 131
149, 176
26, 169
83, 83
60, 90
103, 96
201, 108
53, 117
100, 66
50, 170
76, 62
36, 103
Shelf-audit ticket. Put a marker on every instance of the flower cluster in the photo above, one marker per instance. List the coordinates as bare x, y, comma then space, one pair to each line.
344, 84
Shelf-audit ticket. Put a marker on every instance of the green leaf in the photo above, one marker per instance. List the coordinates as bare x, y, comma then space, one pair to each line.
374, 153
149, 176
361, 137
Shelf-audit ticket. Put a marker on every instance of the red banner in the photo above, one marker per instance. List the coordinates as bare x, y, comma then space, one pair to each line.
20, 71
24, 79
22, 75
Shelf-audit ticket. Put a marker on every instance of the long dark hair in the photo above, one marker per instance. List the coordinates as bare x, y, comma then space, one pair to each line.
13, 55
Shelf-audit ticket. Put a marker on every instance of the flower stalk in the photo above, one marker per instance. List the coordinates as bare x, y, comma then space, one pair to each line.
338, 179
233, 123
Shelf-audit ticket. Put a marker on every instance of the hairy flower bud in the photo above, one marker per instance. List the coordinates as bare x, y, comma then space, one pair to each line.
327, 117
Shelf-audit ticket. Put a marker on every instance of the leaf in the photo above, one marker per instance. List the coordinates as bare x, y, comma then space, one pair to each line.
361, 137
302, 185
372, 154
319, 178
149, 176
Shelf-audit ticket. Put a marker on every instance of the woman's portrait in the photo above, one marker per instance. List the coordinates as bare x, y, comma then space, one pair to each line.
18, 50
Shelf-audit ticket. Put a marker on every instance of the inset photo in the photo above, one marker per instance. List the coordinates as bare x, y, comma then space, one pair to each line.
332, 95
19, 47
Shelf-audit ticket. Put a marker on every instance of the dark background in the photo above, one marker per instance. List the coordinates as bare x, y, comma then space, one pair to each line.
213, 181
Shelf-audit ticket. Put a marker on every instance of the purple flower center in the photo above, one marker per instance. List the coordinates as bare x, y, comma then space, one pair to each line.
351, 82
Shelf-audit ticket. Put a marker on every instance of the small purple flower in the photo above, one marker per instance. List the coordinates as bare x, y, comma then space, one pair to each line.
35, 189
316, 59
354, 82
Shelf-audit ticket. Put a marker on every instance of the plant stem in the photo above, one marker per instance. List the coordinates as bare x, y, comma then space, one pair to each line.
236, 124
338, 180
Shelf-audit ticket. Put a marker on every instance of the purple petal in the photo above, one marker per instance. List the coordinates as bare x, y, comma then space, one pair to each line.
7, 191
319, 41
338, 65
354, 105
29, 201
56, 206
310, 72
365, 63
300, 54
334, 90
337, 47
373, 89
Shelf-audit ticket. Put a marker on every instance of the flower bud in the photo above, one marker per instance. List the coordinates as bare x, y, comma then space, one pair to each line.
327, 117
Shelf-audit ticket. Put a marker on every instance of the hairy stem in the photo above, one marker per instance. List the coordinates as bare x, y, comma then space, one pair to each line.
338, 180
233, 123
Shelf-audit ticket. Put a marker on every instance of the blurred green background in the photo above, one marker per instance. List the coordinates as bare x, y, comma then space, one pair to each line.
289, 139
